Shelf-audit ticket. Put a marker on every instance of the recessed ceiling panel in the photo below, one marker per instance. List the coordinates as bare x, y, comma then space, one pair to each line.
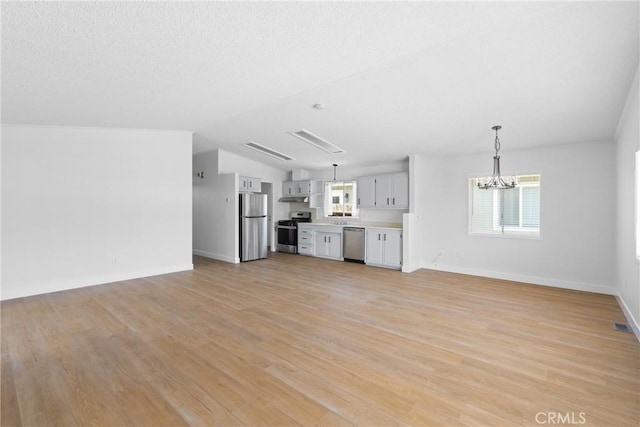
317, 142
267, 151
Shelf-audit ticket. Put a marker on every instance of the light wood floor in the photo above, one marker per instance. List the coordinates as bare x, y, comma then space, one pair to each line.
302, 341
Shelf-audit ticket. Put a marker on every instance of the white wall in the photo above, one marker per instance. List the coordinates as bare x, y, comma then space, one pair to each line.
413, 223
84, 206
215, 201
230, 162
577, 218
627, 270
215, 210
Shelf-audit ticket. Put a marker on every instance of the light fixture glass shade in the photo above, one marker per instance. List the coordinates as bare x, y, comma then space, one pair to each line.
497, 181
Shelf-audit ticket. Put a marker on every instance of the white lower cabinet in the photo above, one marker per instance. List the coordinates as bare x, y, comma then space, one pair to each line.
384, 248
305, 249
383, 245
328, 245
305, 240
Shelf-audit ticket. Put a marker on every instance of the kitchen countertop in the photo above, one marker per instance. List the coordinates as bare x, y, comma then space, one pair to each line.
382, 225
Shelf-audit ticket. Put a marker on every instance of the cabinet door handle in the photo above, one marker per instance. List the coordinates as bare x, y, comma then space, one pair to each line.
329, 239
325, 239
385, 237
387, 200
394, 200
378, 236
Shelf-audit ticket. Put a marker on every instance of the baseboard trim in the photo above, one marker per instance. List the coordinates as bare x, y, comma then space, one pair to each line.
215, 256
627, 313
534, 280
46, 288
410, 268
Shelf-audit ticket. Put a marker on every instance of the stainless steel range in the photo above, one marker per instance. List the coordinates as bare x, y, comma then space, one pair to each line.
287, 232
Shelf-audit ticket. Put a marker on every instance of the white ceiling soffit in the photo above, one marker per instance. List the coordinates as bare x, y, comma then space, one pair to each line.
317, 142
267, 151
395, 78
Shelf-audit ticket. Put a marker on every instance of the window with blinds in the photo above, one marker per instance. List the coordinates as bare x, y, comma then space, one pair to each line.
513, 212
340, 199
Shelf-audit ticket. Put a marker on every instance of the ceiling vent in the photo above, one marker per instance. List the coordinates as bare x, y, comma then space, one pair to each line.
268, 151
317, 142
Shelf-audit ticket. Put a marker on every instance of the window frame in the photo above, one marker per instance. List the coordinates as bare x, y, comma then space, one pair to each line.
328, 199
637, 205
518, 232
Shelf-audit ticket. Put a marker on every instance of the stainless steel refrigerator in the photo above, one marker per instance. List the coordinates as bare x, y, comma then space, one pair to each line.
253, 226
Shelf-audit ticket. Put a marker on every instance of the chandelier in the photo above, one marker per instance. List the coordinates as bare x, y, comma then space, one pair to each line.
497, 182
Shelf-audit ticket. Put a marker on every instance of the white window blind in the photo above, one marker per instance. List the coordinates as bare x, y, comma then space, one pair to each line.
513, 212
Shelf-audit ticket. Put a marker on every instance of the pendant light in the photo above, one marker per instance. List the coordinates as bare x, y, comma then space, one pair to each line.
334, 171
497, 182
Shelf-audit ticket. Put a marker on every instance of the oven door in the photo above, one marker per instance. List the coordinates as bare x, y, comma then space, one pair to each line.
287, 238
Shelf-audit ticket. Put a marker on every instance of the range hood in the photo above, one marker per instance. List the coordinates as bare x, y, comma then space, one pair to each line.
294, 199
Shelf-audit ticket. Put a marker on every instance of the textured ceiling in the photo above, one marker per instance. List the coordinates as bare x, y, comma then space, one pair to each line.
396, 78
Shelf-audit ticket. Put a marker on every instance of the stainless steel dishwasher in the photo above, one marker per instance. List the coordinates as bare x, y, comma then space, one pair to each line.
353, 244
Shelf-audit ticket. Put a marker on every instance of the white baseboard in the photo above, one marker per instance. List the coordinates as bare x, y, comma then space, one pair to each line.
627, 313
534, 280
410, 268
219, 257
63, 285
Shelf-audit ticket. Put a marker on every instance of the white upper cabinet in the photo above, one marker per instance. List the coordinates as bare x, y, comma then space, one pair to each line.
384, 197
248, 184
398, 191
313, 186
301, 188
384, 191
289, 188
367, 192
